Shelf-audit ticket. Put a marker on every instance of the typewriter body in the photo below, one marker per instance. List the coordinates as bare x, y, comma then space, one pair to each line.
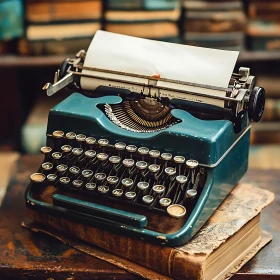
141, 164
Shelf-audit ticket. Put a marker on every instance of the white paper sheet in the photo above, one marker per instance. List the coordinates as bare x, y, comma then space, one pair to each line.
190, 64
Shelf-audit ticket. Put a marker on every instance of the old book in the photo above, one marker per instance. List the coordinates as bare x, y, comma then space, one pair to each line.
224, 242
265, 133
212, 5
264, 10
63, 10
272, 110
271, 83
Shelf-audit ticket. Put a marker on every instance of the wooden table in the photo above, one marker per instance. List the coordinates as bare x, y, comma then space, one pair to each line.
25, 255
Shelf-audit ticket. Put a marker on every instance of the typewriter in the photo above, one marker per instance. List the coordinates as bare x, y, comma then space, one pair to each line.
145, 156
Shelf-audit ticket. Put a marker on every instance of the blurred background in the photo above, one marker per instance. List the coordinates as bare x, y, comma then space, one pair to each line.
36, 36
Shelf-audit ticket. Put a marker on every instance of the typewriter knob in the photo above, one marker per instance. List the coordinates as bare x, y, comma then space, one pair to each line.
256, 104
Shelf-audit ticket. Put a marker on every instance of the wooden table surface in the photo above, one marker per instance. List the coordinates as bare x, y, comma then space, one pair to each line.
25, 255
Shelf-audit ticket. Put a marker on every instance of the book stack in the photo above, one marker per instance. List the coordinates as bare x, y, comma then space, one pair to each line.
214, 24
60, 26
153, 19
264, 25
11, 22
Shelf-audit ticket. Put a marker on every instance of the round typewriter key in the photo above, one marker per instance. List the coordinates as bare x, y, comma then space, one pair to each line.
103, 189
64, 180
120, 146
51, 177
47, 166
90, 140
176, 210
74, 170
166, 156
115, 159
130, 195
148, 199
58, 134
142, 186
90, 153
103, 142
154, 153
112, 180
90, 186
102, 156
77, 183
158, 189
179, 159
127, 182
128, 162
191, 163
181, 179
46, 150
117, 192
70, 135
131, 148
141, 165
61, 167
191, 193
87, 173
154, 168
77, 151
56, 155
81, 137
170, 171
100, 176
143, 151
164, 202
66, 148
37, 177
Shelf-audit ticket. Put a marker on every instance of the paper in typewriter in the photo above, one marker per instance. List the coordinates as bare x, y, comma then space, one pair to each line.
179, 63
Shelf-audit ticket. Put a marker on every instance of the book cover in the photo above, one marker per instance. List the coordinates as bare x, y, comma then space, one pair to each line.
272, 110
242, 205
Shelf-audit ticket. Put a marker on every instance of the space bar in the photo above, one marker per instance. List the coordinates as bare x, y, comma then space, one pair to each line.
101, 211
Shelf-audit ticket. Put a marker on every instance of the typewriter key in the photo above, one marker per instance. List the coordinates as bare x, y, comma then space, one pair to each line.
114, 159
142, 165
102, 156
90, 140
58, 134
103, 189
66, 148
61, 168
64, 180
51, 177
128, 162
181, 179
127, 182
176, 210
179, 159
37, 177
117, 192
100, 176
77, 183
158, 189
170, 171
56, 155
103, 142
166, 156
87, 173
154, 153
131, 148
130, 195
142, 186
191, 193
70, 135
90, 154
143, 151
112, 180
90, 186
191, 163
74, 170
77, 151
120, 146
46, 150
148, 199
164, 202
154, 168
47, 166
81, 138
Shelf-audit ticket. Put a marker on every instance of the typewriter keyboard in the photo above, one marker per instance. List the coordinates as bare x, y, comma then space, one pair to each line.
121, 172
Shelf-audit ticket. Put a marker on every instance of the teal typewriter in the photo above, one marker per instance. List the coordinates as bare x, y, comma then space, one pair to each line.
151, 139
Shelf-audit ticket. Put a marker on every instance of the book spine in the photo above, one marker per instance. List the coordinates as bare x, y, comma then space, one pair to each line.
272, 110
165, 260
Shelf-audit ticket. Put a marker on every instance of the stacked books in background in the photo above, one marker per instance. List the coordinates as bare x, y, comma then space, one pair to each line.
214, 24
268, 130
153, 19
264, 25
60, 26
11, 22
